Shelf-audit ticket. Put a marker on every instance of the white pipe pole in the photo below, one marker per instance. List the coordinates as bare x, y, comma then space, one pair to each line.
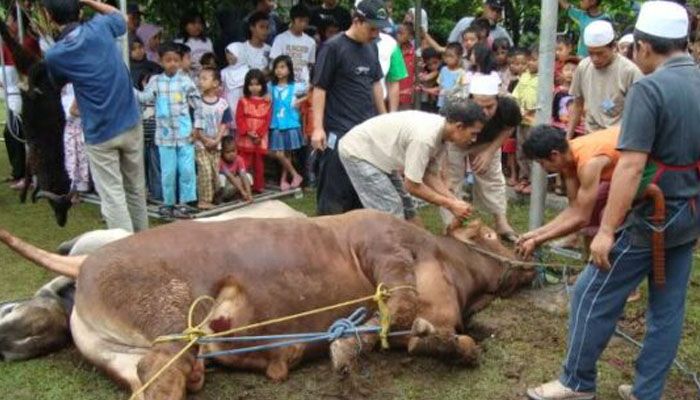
20, 23
125, 38
417, 23
548, 36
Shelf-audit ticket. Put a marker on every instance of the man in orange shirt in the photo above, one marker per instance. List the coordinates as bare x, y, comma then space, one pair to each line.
587, 164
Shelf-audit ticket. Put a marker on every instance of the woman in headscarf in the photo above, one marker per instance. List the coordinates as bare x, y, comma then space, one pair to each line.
151, 36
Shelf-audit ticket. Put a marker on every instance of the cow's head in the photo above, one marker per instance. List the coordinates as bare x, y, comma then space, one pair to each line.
507, 279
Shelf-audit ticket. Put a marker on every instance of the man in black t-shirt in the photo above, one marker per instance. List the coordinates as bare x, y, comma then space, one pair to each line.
347, 91
485, 155
330, 9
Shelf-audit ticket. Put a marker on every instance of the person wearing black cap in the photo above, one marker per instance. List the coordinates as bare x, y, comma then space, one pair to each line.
330, 11
347, 91
659, 144
493, 11
133, 12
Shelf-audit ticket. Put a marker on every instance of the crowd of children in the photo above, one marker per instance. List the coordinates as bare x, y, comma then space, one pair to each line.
209, 129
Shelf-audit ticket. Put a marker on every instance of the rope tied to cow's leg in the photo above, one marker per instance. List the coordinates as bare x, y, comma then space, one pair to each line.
192, 334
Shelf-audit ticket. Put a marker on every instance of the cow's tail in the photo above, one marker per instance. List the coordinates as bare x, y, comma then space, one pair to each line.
64, 265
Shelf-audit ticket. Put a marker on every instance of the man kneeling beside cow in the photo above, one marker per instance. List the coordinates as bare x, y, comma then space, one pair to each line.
130, 292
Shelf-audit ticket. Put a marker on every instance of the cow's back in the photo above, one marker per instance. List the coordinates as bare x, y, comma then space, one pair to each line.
147, 282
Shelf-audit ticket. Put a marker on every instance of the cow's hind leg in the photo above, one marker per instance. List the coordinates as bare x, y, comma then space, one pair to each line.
395, 272
174, 381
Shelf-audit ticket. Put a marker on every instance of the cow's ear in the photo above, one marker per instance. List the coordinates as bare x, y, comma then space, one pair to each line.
465, 233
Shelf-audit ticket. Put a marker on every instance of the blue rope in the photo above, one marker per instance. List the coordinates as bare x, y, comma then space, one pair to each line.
341, 328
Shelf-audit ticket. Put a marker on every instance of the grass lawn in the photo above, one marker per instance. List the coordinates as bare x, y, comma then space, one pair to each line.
521, 345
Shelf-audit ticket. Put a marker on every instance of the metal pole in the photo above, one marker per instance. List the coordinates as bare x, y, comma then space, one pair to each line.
417, 20
20, 24
548, 35
125, 38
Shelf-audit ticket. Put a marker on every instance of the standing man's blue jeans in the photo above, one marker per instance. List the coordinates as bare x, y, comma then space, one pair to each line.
598, 302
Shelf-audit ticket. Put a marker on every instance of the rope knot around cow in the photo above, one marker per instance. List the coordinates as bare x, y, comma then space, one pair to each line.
193, 333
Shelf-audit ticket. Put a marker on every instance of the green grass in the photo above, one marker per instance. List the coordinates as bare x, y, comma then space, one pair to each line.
521, 345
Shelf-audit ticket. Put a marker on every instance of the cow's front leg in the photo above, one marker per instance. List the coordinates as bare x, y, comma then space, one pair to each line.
428, 340
434, 331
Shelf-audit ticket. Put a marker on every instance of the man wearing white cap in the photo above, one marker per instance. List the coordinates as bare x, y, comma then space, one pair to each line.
659, 144
601, 81
484, 156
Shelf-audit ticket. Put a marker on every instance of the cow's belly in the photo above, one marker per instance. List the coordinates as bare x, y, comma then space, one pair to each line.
116, 352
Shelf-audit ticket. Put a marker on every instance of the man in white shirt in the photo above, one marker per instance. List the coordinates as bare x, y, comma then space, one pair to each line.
300, 47
412, 142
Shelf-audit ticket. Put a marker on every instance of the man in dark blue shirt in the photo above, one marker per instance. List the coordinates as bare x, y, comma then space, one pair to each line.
347, 91
87, 56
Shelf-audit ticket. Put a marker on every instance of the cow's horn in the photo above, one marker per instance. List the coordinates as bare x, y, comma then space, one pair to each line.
65, 265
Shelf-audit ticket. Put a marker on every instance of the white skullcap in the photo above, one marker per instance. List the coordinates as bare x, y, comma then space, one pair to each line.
235, 48
485, 85
663, 19
628, 38
423, 17
598, 34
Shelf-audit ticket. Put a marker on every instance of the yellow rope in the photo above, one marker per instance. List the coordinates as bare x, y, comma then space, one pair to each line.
193, 333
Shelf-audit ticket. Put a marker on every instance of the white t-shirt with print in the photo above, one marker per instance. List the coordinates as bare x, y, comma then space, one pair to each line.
301, 49
254, 57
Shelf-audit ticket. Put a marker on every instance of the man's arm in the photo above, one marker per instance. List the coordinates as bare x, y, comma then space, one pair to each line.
101, 8
436, 183
564, 4
394, 92
318, 107
482, 159
378, 92
626, 179
579, 211
425, 192
576, 114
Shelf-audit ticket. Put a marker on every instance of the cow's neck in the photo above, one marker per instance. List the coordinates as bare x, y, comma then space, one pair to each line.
476, 277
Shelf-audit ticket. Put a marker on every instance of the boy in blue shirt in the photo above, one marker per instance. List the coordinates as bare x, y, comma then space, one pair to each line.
87, 56
588, 12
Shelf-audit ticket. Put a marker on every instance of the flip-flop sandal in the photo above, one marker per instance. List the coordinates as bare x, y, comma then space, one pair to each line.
181, 213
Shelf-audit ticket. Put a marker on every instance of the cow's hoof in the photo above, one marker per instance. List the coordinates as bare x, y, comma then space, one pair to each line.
413, 344
467, 350
344, 354
422, 328
195, 380
277, 370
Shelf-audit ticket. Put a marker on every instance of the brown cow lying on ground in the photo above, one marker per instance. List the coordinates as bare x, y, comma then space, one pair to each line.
132, 291
37, 326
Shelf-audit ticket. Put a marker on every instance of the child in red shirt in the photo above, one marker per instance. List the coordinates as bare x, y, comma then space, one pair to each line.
233, 174
253, 115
